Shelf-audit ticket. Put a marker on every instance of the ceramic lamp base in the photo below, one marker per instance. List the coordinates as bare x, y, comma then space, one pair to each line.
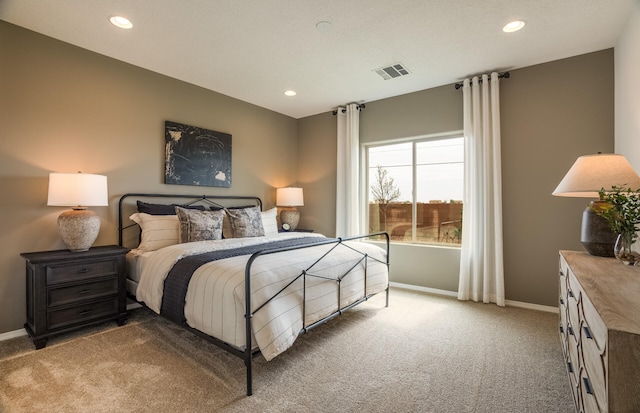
291, 217
596, 235
78, 228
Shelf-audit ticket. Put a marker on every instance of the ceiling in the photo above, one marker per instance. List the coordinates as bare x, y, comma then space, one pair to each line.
254, 50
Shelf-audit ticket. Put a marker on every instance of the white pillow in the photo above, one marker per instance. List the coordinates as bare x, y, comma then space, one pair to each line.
270, 222
157, 230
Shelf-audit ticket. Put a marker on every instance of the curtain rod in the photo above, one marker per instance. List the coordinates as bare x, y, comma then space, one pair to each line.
505, 75
359, 107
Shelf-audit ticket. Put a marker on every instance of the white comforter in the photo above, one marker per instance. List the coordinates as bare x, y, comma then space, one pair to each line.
215, 301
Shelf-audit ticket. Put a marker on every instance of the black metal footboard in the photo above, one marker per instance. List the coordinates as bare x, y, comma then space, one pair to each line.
220, 201
249, 353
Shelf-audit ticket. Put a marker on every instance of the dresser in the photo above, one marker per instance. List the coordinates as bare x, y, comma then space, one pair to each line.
69, 290
599, 317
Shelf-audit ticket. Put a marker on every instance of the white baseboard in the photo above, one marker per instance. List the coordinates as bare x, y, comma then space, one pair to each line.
509, 303
530, 306
424, 289
13, 334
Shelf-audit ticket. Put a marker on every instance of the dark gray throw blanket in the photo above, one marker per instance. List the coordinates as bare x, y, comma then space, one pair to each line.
177, 281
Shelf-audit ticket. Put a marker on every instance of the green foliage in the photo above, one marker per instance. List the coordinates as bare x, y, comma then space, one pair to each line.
622, 211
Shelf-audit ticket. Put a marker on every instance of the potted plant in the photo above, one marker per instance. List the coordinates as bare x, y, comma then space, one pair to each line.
621, 210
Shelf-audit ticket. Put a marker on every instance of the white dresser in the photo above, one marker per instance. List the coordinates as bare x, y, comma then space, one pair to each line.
599, 318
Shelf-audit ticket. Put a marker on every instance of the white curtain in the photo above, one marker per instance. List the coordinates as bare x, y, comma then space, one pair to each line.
481, 258
348, 170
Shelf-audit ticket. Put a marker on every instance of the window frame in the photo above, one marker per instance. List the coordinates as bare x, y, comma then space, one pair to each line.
365, 189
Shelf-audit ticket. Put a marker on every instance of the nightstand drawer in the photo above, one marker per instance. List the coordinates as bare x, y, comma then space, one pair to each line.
78, 314
81, 270
81, 292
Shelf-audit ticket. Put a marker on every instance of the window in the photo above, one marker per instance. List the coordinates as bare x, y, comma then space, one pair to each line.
415, 189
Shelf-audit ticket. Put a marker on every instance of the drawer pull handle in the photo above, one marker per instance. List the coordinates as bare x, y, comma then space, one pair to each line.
83, 270
570, 293
82, 292
587, 385
561, 329
561, 273
570, 330
569, 367
561, 301
85, 312
587, 332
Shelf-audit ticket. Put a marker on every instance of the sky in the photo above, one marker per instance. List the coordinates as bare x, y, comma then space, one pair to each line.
439, 168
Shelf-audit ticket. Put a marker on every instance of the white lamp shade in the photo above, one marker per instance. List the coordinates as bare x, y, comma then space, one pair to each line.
77, 189
591, 173
289, 197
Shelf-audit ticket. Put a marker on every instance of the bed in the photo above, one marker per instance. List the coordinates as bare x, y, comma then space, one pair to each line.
219, 267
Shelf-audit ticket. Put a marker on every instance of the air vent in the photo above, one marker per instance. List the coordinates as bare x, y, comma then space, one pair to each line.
393, 71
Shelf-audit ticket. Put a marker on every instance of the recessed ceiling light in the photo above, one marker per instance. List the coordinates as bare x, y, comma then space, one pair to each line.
290, 93
513, 26
121, 22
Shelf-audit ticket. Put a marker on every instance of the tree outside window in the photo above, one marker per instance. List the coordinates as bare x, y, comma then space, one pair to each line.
384, 191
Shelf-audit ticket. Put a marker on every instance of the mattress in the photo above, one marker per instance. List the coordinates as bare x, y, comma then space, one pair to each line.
215, 299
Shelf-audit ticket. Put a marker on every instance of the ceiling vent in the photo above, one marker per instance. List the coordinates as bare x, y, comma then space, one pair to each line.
393, 71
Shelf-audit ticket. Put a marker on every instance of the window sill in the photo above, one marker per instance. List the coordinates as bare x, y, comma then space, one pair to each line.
416, 244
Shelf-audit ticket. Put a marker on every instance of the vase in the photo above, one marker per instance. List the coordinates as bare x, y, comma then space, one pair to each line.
623, 249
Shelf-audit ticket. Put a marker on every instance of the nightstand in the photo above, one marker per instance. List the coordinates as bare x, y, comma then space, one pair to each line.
69, 290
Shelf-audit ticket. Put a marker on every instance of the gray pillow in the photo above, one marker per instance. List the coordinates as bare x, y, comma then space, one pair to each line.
199, 225
246, 222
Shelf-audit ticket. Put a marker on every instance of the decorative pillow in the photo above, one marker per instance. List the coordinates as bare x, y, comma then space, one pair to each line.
270, 221
227, 231
199, 225
246, 222
157, 231
163, 209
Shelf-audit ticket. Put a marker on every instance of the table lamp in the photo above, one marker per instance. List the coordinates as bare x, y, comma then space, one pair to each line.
586, 177
290, 198
79, 226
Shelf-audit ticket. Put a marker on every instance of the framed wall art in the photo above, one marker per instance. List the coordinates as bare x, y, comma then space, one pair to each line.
196, 156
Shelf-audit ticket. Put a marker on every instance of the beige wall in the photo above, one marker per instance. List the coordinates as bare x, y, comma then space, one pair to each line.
627, 66
65, 109
317, 172
551, 114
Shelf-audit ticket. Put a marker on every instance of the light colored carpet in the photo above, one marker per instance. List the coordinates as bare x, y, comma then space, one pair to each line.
424, 353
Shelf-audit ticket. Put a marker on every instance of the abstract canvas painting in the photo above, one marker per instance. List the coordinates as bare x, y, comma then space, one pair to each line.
196, 156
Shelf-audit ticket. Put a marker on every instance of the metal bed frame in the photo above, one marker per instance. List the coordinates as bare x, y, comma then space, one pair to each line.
249, 353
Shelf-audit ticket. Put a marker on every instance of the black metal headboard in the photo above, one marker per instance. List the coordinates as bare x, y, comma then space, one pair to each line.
220, 201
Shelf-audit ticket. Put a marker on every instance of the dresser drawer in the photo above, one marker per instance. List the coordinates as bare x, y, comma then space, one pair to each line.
563, 324
595, 361
593, 326
588, 399
81, 313
80, 270
81, 292
573, 381
564, 275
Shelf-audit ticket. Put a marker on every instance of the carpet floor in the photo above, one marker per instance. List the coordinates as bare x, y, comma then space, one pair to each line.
424, 353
